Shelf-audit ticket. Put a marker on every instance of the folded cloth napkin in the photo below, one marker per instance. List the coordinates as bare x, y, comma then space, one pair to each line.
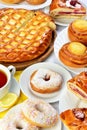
21, 98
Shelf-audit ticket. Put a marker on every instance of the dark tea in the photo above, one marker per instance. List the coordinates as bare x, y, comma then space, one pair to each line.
3, 78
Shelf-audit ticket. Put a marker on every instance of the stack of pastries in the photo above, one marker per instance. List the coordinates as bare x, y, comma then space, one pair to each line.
24, 34
76, 118
74, 53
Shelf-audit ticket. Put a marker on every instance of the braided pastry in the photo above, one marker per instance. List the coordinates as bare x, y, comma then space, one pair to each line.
75, 119
78, 85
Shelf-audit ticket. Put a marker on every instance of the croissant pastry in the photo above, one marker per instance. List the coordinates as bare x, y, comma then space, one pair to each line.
78, 85
73, 54
77, 31
75, 119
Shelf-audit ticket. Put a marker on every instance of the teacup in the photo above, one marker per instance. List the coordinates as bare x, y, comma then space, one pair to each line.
6, 74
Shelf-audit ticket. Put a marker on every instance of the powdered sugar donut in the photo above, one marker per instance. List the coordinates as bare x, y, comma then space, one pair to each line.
45, 81
40, 113
15, 120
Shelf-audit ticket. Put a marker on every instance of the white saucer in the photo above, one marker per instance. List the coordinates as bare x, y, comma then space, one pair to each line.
25, 79
15, 88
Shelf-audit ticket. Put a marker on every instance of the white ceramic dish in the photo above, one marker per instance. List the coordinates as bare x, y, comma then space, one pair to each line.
69, 100
25, 77
60, 40
56, 127
15, 88
25, 5
46, 10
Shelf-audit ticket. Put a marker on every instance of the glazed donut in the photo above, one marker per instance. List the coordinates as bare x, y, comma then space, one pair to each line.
40, 113
15, 120
45, 81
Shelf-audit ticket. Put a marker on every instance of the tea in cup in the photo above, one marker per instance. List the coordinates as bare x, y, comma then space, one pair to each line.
6, 74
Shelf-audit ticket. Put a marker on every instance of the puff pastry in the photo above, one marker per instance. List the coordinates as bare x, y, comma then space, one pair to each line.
78, 85
24, 34
75, 119
66, 11
73, 54
77, 31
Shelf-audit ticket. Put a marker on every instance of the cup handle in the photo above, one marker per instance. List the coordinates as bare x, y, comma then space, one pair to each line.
12, 69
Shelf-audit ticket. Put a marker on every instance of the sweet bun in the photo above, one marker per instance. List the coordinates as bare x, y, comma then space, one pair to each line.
12, 1
78, 85
35, 2
45, 82
75, 119
73, 54
66, 11
77, 31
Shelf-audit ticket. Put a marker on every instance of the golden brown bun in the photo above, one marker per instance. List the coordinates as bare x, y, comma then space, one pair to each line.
77, 31
35, 2
75, 119
73, 56
25, 34
62, 13
78, 85
12, 1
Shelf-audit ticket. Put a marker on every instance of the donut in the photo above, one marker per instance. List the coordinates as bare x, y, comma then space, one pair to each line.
45, 81
15, 120
40, 113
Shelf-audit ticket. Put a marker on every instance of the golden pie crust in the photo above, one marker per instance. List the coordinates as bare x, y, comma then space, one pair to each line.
24, 34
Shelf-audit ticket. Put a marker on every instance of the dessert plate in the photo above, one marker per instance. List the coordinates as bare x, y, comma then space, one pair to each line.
69, 100
60, 40
58, 126
46, 10
25, 5
24, 80
15, 88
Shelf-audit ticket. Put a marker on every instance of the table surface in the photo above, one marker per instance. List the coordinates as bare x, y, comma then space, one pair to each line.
53, 59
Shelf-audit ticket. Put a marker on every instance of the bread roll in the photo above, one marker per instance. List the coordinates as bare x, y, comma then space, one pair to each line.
35, 2
77, 31
73, 54
75, 119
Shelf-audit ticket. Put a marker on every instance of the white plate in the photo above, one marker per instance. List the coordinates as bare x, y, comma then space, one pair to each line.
25, 5
56, 127
46, 10
69, 100
25, 77
60, 40
15, 88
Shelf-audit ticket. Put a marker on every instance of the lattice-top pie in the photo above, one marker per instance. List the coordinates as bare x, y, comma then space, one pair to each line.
24, 34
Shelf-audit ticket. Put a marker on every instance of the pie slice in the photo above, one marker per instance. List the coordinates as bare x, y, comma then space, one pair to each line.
24, 34
75, 119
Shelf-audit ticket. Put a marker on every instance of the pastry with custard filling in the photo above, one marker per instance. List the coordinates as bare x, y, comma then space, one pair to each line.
73, 54
77, 31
